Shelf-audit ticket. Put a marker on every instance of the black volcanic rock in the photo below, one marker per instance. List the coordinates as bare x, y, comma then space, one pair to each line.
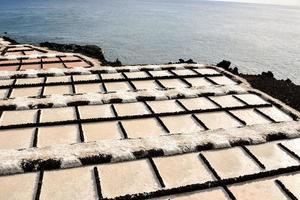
92, 51
117, 63
235, 70
181, 60
88, 50
284, 90
224, 64
268, 74
190, 61
12, 41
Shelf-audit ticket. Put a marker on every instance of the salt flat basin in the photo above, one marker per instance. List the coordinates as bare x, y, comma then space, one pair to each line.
73, 129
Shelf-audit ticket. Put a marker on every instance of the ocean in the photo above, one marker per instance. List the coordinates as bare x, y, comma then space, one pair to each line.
254, 37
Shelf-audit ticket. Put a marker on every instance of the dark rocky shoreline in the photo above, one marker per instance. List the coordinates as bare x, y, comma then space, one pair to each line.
92, 51
284, 90
12, 41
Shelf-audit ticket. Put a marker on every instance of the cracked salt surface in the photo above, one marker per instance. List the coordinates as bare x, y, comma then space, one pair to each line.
292, 181
18, 186
25, 116
57, 114
88, 88
263, 189
116, 178
130, 109
53, 135
182, 170
25, 92
272, 156
74, 188
237, 163
210, 194
141, 128
181, 124
142, 85
101, 131
16, 139
164, 106
95, 111
63, 89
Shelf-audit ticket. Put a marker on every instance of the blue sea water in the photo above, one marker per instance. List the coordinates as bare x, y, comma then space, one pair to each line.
254, 37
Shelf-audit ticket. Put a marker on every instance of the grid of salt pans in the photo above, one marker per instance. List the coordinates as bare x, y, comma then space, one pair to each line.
85, 123
266, 171
111, 82
20, 50
45, 63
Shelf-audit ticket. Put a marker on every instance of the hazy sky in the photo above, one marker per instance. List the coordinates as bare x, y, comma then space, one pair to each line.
276, 2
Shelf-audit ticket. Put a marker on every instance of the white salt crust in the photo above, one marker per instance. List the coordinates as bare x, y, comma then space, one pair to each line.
49, 54
57, 100
60, 71
122, 150
95, 62
3, 44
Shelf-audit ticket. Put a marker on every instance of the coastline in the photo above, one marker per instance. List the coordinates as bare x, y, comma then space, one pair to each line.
92, 51
284, 90
65, 115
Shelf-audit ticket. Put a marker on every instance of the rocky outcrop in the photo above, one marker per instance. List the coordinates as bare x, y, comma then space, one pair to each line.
284, 90
225, 64
8, 39
92, 51
180, 61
